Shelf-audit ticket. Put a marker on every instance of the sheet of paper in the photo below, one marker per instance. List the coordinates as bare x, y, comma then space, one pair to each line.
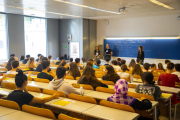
63, 102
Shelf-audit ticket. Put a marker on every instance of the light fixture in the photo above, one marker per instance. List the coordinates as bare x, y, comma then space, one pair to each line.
161, 4
148, 38
84, 6
41, 11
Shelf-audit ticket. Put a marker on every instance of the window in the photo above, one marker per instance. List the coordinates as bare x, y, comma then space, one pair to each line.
3, 39
35, 36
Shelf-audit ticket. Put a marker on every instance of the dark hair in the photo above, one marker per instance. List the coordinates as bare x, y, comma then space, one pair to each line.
65, 56
138, 60
111, 75
98, 62
137, 70
77, 60
123, 62
153, 65
107, 59
44, 58
160, 66
39, 55
45, 64
177, 67
114, 62
132, 63
60, 72
167, 61
170, 66
146, 66
141, 48
88, 77
90, 60
61, 58
124, 67
89, 64
20, 78
15, 63
62, 63
22, 57
27, 56
73, 70
98, 47
8, 66
148, 77
12, 55
83, 60
71, 59
49, 57
119, 59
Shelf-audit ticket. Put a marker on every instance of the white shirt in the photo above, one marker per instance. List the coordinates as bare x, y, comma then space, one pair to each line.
117, 68
177, 73
123, 75
12, 72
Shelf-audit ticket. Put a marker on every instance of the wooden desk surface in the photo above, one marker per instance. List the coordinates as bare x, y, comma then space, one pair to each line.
5, 111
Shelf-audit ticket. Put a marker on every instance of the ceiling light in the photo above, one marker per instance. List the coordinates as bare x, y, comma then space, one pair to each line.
84, 6
161, 4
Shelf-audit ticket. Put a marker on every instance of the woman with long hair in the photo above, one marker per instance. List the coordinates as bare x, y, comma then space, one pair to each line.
8, 66
132, 64
30, 64
88, 77
160, 67
137, 70
110, 74
140, 54
22, 58
73, 70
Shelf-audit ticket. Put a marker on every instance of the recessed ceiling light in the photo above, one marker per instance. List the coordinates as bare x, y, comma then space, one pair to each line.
32, 14
161, 4
84, 6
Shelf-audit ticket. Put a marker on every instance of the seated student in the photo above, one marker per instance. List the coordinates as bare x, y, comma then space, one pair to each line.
160, 67
153, 68
65, 57
93, 63
107, 61
132, 64
123, 62
22, 58
58, 57
73, 70
3, 76
177, 68
14, 65
83, 61
168, 79
98, 62
167, 61
49, 57
8, 66
30, 64
138, 61
137, 70
13, 55
39, 55
61, 60
114, 64
119, 61
146, 67
88, 77
123, 74
121, 97
45, 67
60, 85
39, 67
110, 74
26, 60
21, 96
64, 64
40, 60
71, 60
77, 60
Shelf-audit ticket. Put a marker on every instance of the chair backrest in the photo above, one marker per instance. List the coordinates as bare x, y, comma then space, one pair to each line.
34, 72
132, 85
51, 92
107, 82
98, 69
117, 106
3, 69
125, 79
11, 75
99, 75
77, 78
65, 117
138, 95
137, 76
29, 78
39, 111
161, 71
33, 89
87, 87
106, 90
8, 85
156, 75
9, 104
100, 72
41, 80
69, 77
155, 78
82, 98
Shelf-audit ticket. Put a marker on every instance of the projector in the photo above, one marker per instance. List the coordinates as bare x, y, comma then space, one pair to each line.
178, 18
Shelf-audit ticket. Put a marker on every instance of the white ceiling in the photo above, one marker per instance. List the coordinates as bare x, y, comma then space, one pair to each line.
54, 9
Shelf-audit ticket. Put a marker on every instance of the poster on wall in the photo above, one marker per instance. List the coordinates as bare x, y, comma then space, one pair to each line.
74, 49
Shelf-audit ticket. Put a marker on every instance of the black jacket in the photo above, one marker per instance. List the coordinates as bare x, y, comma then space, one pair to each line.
140, 55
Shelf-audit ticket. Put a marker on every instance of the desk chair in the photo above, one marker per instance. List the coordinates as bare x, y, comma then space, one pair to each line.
106, 90
51, 92
33, 89
41, 80
99, 75
39, 111
69, 77
87, 87
132, 85
137, 76
107, 82
8, 85
65, 117
9, 104
34, 72
138, 95
3, 69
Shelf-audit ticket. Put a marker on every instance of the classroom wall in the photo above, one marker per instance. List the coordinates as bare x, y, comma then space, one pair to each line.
155, 26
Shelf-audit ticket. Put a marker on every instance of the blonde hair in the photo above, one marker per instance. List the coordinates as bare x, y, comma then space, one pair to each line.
30, 63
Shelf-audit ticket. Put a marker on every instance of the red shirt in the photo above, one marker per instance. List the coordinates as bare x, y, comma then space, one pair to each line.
168, 79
